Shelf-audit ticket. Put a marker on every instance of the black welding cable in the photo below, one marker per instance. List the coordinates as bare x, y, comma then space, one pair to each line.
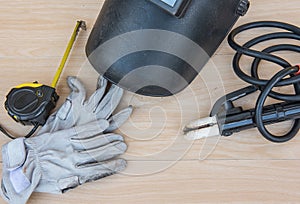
32, 131
254, 78
266, 86
260, 104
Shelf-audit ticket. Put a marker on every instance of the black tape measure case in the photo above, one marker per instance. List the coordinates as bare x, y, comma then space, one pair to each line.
30, 104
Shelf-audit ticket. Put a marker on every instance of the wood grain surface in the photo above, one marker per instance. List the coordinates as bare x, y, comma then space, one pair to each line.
162, 166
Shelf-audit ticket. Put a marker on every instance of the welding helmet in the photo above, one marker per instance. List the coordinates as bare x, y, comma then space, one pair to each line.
158, 47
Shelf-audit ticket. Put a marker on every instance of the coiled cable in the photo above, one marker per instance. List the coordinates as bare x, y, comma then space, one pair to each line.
278, 80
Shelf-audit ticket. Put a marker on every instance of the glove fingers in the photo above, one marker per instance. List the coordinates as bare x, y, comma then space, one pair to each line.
95, 99
109, 102
78, 91
117, 120
103, 153
101, 82
85, 131
96, 142
100, 170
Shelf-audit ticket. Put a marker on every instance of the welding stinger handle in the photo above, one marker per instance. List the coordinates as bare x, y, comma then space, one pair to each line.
236, 119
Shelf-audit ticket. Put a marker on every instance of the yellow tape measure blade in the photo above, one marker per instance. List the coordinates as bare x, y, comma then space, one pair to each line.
79, 25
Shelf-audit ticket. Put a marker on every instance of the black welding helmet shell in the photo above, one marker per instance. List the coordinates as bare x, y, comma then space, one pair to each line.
158, 47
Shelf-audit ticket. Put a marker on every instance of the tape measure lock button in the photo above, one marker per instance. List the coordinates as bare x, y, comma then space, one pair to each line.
39, 93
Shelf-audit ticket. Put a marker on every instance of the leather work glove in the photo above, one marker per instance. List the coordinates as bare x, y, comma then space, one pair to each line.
77, 110
59, 161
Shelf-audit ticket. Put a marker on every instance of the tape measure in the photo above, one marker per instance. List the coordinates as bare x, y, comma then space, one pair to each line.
31, 103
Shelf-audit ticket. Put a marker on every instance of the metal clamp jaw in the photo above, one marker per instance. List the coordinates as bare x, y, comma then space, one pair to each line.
226, 119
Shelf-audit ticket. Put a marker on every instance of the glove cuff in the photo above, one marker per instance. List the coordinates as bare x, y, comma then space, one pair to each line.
14, 154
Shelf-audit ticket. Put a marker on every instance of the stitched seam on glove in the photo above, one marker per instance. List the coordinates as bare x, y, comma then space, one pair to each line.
39, 166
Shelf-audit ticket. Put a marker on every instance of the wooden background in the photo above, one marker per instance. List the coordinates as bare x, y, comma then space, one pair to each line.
162, 167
